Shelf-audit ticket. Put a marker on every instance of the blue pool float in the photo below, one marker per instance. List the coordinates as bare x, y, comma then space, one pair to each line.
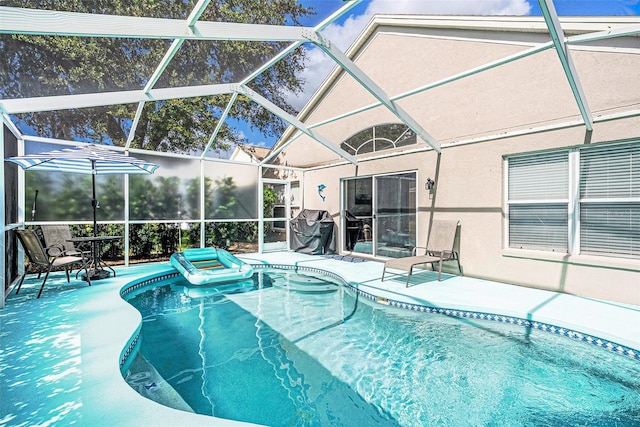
204, 266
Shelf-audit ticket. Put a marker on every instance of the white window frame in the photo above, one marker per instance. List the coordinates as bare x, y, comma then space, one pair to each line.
537, 174
616, 199
575, 201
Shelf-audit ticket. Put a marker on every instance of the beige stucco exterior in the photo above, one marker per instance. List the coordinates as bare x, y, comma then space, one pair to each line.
518, 107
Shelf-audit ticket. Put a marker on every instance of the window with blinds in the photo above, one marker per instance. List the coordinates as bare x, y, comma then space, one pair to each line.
538, 192
602, 218
610, 200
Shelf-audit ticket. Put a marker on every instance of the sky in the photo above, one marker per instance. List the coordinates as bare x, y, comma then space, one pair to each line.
344, 32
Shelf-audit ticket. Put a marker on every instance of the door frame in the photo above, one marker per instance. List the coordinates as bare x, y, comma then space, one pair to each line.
374, 210
287, 215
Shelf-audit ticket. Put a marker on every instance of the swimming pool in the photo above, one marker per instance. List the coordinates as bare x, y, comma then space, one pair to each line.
293, 348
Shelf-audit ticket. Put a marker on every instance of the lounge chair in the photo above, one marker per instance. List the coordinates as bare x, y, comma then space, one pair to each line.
439, 249
38, 256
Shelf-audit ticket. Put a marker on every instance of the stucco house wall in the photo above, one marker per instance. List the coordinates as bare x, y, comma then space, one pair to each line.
523, 106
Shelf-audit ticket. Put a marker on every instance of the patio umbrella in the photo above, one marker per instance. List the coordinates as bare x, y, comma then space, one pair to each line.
85, 159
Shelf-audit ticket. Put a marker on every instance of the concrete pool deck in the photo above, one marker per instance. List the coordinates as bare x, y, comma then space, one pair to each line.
59, 355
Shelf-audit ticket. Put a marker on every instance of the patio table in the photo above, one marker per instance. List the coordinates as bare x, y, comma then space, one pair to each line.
97, 266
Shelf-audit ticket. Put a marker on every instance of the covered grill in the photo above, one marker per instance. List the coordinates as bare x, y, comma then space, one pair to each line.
312, 232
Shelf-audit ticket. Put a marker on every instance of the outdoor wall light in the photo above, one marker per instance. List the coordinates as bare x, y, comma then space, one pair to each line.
430, 184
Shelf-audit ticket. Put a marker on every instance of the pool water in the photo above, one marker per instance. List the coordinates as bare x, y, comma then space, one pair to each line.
290, 348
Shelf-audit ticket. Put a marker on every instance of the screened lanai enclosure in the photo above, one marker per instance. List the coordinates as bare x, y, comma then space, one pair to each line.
171, 83
200, 87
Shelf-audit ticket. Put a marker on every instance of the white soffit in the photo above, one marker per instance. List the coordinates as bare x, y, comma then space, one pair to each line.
535, 24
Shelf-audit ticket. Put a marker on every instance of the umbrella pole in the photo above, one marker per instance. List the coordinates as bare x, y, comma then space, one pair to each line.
94, 202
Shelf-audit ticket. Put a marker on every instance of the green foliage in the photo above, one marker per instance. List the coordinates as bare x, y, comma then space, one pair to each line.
193, 235
191, 200
225, 198
53, 65
167, 238
158, 197
223, 234
113, 250
67, 196
151, 198
142, 239
167, 197
269, 199
111, 197
140, 198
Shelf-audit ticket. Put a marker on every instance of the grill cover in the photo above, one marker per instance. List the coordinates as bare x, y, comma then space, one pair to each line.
312, 232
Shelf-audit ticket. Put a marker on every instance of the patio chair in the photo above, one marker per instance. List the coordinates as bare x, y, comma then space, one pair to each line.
56, 241
440, 248
39, 257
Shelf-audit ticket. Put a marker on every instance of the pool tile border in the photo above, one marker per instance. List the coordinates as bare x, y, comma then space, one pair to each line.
127, 289
476, 315
545, 327
450, 312
141, 283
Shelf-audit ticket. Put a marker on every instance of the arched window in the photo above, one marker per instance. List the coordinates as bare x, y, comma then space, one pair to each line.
378, 138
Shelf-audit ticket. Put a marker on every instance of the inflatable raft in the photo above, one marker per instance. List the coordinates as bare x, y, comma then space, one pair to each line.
205, 266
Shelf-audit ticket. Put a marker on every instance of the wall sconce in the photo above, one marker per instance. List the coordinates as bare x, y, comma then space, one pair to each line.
430, 184
320, 188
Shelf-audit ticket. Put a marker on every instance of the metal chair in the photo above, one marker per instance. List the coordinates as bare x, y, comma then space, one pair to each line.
38, 256
56, 241
440, 248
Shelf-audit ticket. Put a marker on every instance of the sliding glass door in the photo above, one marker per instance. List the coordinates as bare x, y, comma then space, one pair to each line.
358, 215
381, 214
